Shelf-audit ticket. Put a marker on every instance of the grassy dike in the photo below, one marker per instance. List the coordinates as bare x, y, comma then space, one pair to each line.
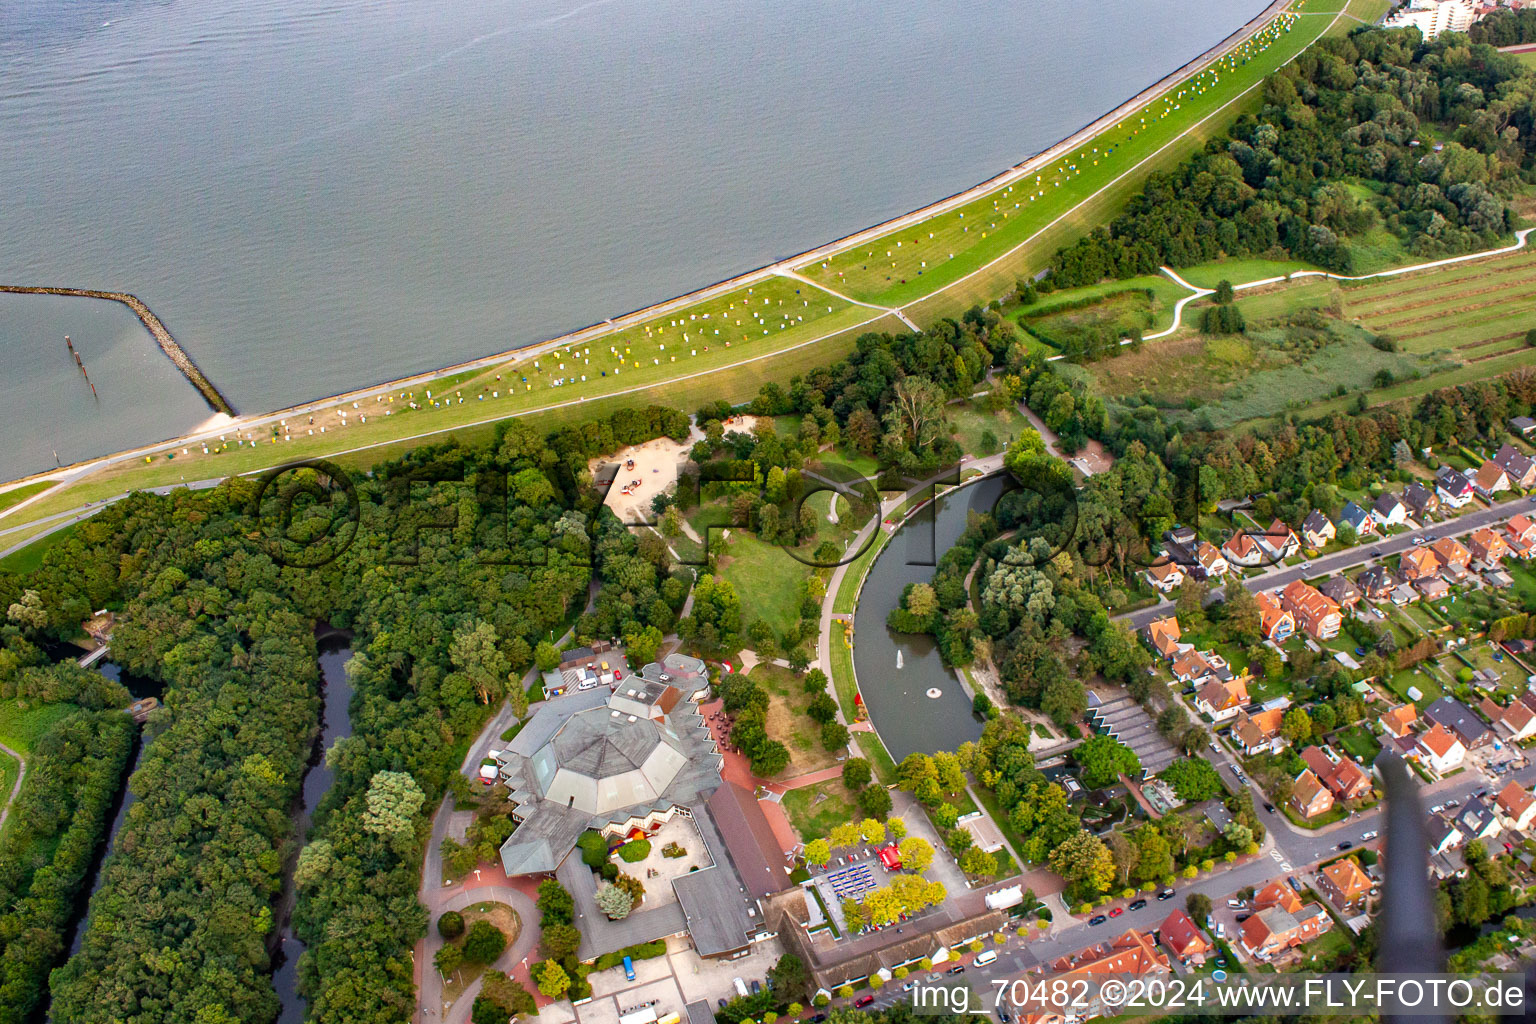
683, 374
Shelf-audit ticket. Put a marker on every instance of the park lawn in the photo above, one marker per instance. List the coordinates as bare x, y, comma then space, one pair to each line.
22, 723
787, 721
858, 462
814, 809
1527, 58
22, 493
913, 262
768, 581
1359, 743
970, 421
1208, 275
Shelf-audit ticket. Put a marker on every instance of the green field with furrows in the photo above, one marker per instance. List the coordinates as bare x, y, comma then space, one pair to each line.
914, 261
1471, 312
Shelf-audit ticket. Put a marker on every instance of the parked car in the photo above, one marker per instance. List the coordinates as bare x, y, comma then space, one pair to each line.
1368, 836
863, 1001
757, 986
1237, 904
1117, 912
1097, 919
1269, 807
1306, 566
1221, 929
819, 1018
721, 1003
957, 969
1346, 844
1166, 894
1242, 917
1137, 904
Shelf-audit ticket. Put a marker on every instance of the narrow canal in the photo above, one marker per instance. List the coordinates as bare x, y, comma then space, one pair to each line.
335, 648
898, 697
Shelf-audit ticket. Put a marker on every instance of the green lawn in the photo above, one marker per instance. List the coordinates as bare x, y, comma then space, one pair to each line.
1423, 681
969, 421
1208, 275
813, 810
853, 576
1359, 743
22, 493
21, 726
9, 766
767, 580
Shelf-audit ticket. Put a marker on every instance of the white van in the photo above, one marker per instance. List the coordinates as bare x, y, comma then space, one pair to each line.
741, 988
982, 959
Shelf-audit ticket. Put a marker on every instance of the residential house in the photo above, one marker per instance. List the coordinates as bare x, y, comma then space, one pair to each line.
1165, 577
1222, 700
1377, 583
1317, 616
1271, 932
1275, 623
1309, 797
1453, 488
1389, 511
1132, 953
1399, 721
1277, 894
1522, 425
1418, 564
1342, 591
1520, 535
1439, 749
1357, 519
1517, 807
1487, 547
1489, 479
1478, 820
1191, 665
1421, 501
1443, 835
1209, 564
1280, 541
1317, 529
1345, 884
1432, 587
1515, 721
1163, 636
1258, 732
1459, 719
1517, 465
1243, 548
1343, 776
1453, 556
1183, 937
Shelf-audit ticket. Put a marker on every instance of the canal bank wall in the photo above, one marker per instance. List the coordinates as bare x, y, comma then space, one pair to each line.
156, 328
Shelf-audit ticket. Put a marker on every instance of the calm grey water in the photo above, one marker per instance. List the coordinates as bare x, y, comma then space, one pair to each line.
318, 195
899, 706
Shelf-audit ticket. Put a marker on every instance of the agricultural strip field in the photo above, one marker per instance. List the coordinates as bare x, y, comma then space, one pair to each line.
915, 261
1473, 312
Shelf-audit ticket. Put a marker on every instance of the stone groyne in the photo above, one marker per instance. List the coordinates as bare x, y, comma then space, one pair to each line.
153, 325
